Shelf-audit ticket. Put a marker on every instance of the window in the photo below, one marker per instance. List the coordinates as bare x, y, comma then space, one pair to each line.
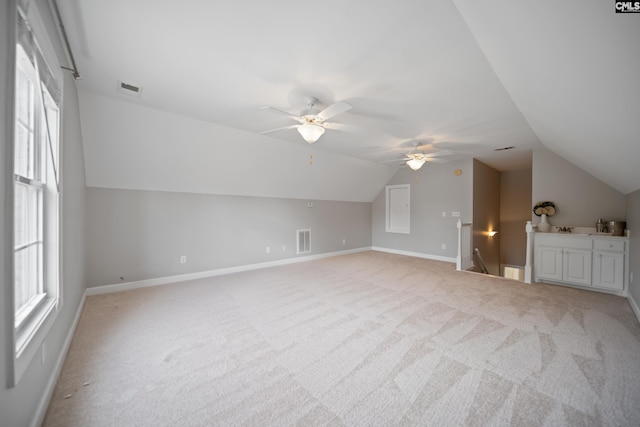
398, 208
29, 174
37, 98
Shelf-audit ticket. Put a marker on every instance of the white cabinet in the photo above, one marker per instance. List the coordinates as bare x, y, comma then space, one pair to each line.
549, 263
576, 266
598, 262
608, 265
563, 259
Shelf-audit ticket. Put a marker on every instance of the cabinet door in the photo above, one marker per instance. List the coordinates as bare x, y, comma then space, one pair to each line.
608, 270
577, 266
549, 263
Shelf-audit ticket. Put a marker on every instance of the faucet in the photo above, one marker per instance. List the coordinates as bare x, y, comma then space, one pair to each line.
564, 229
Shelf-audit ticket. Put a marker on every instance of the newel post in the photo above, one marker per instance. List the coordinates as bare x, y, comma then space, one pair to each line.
459, 257
527, 267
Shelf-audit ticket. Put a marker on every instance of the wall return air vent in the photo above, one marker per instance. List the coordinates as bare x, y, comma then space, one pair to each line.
304, 241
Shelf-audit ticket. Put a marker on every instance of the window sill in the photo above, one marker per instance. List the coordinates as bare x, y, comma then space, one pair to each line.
31, 309
31, 334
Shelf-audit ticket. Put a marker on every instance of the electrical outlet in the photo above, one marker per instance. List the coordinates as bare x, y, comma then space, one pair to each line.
455, 214
444, 214
183, 259
344, 241
268, 249
284, 248
444, 246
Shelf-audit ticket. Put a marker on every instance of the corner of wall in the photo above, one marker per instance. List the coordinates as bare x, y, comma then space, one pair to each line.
633, 224
580, 198
486, 214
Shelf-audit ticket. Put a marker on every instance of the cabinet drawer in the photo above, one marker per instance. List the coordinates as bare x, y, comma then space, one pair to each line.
609, 245
563, 241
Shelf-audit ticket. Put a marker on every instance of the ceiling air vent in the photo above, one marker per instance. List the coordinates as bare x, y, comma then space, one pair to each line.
505, 148
129, 89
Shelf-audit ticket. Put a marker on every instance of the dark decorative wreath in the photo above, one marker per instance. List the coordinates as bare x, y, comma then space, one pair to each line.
544, 208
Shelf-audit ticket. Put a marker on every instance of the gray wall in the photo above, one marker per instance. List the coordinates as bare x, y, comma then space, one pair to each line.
633, 224
486, 214
579, 197
515, 211
137, 235
434, 189
6, 317
18, 404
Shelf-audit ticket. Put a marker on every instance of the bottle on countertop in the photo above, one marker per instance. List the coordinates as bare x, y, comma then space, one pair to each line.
600, 227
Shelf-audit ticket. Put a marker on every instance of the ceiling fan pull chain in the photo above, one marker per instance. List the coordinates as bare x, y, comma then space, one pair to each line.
310, 159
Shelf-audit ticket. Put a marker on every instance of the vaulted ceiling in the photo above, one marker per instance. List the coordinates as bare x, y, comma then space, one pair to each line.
459, 75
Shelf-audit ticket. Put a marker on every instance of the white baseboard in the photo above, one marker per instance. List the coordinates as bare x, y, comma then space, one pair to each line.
117, 287
41, 410
415, 254
634, 305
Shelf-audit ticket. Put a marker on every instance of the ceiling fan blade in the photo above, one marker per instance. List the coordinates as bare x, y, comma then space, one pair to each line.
277, 129
435, 160
396, 160
438, 154
286, 113
333, 110
342, 127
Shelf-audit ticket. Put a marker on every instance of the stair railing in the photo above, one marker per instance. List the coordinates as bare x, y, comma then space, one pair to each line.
481, 261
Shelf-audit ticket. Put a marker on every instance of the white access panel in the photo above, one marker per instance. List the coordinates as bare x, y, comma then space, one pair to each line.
398, 208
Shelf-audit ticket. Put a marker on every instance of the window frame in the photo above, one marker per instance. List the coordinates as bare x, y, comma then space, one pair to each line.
34, 179
30, 329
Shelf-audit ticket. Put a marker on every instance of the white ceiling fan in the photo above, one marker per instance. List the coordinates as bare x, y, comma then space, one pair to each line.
417, 159
312, 122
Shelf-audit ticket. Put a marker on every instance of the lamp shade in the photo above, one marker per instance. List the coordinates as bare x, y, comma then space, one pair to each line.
310, 132
415, 164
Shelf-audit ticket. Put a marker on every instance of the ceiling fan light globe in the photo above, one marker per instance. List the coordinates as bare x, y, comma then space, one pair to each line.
415, 164
310, 132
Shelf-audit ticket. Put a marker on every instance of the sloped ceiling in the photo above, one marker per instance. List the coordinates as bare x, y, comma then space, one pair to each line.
442, 74
573, 70
131, 146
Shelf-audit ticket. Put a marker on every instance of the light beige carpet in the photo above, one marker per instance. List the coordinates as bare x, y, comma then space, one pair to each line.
368, 339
